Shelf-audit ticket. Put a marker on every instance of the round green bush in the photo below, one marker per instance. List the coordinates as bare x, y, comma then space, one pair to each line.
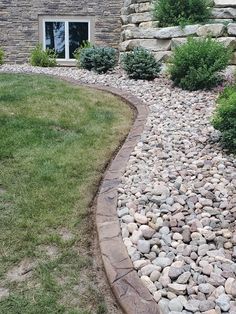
86, 58
140, 64
224, 118
99, 59
85, 44
43, 58
181, 12
197, 63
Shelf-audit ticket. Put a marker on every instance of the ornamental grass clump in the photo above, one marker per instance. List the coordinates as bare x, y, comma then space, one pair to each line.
224, 118
43, 58
1, 56
181, 12
99, 59
197, 63
140, 64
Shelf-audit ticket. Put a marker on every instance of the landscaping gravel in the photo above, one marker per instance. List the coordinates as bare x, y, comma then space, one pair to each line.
177, 200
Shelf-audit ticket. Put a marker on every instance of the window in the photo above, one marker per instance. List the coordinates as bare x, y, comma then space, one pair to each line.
65, 36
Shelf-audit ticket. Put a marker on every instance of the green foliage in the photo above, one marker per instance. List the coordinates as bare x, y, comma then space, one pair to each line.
85, 44
1, 56
224, 119
181, 12
99, 59
197, 63
140, 64
43, 58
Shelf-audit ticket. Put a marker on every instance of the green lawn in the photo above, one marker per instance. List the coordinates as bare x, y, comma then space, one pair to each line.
55, 140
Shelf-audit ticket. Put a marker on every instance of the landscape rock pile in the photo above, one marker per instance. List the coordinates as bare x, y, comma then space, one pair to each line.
177, 199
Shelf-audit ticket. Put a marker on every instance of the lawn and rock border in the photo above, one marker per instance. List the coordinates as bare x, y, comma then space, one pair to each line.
177, 202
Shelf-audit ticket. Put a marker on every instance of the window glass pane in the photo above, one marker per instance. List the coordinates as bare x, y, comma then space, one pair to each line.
55, 37
78, 32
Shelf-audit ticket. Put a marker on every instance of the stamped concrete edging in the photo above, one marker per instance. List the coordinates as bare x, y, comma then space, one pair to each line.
131, 294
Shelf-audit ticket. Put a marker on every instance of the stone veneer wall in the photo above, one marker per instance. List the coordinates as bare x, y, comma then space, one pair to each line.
19, 22
141, 30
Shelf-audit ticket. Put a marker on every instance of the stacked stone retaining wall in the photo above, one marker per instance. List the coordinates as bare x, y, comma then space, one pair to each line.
141, 30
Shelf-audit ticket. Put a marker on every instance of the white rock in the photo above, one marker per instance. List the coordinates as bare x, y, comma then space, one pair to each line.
140, 218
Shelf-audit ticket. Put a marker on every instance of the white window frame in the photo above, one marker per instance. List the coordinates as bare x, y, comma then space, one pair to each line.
66, 21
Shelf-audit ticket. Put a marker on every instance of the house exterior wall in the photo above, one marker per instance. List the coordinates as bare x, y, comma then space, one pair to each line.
19, 22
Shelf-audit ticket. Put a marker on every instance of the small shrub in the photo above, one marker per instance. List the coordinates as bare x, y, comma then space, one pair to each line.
140, 64
1, 56
181, 12
85, 44
86, 58
99, 59
196, 64
224, 118
43, 58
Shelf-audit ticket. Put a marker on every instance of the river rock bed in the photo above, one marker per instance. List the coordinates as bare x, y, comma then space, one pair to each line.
177, 199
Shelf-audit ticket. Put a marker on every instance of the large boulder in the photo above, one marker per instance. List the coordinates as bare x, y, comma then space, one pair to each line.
150, 44
137, 18
139, 33
214, 30
225, 3
176, 31
224, 13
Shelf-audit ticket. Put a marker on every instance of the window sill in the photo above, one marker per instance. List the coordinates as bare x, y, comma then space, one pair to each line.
67, 63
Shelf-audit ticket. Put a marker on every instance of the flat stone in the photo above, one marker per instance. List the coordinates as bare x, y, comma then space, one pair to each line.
157, 296
224, 3
140, 263
192, 305
203, 249
175, 272
122, 212
176, 31
164, 306
206, 305
230, 286
137, 18
224, 13
184, 278
127, 219
214, 30
175, 305
223, 301
147, 232
148, 284
177, 236
144, 246
155, 275
131, 227
177, 288
206, 288
140, 218
162, 262
148, 269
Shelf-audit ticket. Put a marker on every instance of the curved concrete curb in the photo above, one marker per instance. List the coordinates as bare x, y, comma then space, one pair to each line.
131, 294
